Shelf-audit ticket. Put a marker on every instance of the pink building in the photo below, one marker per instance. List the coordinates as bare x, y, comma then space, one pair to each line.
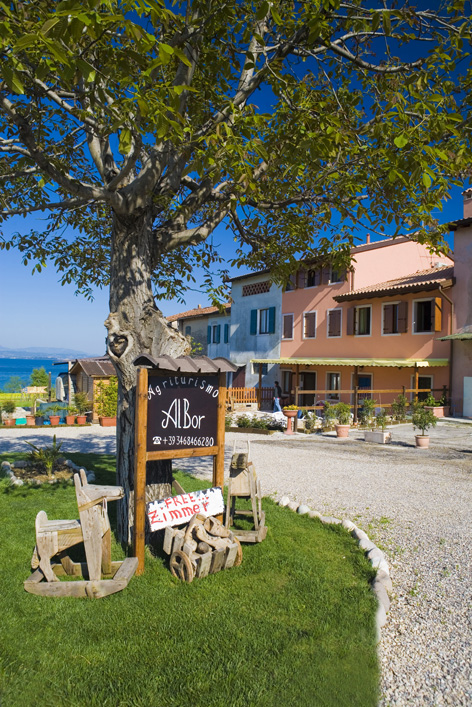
376, 326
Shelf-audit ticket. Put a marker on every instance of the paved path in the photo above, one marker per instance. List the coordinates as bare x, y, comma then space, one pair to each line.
415, 504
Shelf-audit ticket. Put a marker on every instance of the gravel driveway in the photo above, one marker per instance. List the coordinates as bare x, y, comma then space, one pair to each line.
414, 504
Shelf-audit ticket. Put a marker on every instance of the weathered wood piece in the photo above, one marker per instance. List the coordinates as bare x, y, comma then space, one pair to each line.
243, 483
203, 547
54, 537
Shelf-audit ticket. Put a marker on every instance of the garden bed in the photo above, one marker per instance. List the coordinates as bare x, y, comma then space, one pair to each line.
251, 430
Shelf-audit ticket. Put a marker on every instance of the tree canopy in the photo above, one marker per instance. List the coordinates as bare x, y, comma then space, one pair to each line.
39, 377
292, 123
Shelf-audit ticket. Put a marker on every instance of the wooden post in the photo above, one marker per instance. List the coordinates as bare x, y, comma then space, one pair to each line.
140, 467
416, 382
356, 392
49, 387
259, 392
219, 458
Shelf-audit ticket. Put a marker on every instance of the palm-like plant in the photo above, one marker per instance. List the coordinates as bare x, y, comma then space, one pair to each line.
46, 456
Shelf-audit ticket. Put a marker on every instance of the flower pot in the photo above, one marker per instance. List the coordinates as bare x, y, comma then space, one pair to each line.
342, 430
81, 419
70, 419
378, 436
422, 441
54, 419
30, 420
39, 420
290, 415
108, 421
9, 423
437, 410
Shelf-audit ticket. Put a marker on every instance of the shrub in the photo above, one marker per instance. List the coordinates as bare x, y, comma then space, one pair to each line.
243, 421
46, 457
343, 413
366, 412
9, 407
423, 419
399, 407
381, 420
82, 403
107, 397
329, 414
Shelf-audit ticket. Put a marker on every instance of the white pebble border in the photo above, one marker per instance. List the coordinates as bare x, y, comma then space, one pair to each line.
382, 584
8, 471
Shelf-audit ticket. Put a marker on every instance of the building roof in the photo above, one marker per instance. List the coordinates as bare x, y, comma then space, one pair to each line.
99, 367
186, 364
421, 281
460, 223
198, 312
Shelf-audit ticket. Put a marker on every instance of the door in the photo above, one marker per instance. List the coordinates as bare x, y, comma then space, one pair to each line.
307, 382
239, 378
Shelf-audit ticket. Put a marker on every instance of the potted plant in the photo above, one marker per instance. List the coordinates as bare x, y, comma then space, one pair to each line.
437, 407
53, 411
367, 412
290, 412
83, 406
329, 415
9, 407
343, 416
30, 419
399, 408
423, 418
71, 415
379, 435
107, 401
38, 417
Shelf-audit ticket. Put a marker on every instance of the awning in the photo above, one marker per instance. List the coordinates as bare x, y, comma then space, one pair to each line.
457, 337
368, 362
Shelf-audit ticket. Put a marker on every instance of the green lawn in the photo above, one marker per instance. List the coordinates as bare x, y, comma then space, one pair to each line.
293, 625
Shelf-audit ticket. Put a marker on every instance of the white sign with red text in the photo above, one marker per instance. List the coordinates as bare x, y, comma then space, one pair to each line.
177, 510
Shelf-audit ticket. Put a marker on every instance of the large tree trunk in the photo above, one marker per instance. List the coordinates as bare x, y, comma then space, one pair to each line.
135, 326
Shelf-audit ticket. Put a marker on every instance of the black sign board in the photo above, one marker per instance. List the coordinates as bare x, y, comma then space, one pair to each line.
182, 411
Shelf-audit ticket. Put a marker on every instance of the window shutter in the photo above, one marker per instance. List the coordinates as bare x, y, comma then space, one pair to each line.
253, 329
437, 302
209, 335
325, 276
402, 317
288, 326
301, 278
351, 319
334, 322
226, 334
388, 318
271, 320
218, 334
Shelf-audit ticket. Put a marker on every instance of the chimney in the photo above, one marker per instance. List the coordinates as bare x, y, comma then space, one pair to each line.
367, 238
467, 194
199, 306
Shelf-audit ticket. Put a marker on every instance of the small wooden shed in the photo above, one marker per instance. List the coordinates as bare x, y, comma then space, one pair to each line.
88, 372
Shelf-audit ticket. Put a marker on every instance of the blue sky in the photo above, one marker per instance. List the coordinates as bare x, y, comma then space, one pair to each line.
37, 311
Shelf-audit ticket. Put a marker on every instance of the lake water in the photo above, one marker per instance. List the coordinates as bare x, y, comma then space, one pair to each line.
23, 367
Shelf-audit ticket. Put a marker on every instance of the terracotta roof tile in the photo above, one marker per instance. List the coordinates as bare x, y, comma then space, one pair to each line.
199, 312
416, 282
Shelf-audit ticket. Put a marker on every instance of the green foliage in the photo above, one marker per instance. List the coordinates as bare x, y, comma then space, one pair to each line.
46, 457
82, 403
343, 413
305, 619
8, 406
329, 414
400, 407
14, 385
430, 401
257, 422
39, 377
107, 397
381, 419
366, 412
356, 134
423, 419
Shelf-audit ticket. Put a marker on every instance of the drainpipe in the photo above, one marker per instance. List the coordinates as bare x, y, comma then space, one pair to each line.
451, 348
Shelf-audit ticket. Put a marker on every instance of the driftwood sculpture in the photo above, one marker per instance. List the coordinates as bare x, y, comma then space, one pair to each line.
243, 483
55, 537
202, 547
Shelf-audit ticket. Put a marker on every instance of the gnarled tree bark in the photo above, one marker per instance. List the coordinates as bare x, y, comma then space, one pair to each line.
135, 325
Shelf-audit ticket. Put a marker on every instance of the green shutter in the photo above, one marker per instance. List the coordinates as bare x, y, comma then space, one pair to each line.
271, 320
253, 329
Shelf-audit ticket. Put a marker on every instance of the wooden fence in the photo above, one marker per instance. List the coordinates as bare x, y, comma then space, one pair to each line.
235, 396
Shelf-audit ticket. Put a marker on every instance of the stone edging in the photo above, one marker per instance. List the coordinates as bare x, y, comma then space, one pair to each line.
382, 584
9, 467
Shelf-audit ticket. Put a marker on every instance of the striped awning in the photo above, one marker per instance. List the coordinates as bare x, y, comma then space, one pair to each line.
367, 362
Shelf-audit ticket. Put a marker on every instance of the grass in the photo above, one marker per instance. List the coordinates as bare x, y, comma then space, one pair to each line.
293, 625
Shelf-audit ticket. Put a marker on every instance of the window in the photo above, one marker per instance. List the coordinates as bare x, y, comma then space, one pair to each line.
395, 318
425, 383
313, 278
309, 325
334, 322
257, 366
364, 382
287, 328
216, 333
188, 330
287, 382
336, 276
427, 315
359, 320
263, 321
333, 383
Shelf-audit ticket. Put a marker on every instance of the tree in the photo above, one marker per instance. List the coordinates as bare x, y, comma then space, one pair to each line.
39, 377
139, 129
13, 385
